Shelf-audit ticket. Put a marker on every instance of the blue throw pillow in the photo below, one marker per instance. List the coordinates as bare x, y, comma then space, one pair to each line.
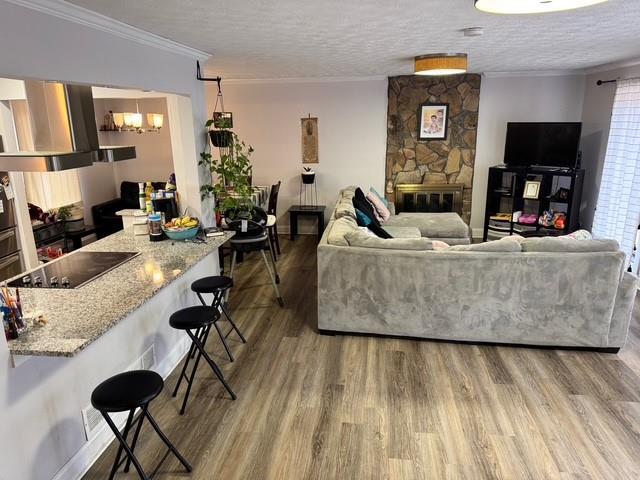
362, 218
382, 199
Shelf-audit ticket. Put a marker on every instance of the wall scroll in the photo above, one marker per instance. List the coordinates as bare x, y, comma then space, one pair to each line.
309, 140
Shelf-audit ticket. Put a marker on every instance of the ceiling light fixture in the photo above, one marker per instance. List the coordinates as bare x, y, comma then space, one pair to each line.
532, 6
441, 64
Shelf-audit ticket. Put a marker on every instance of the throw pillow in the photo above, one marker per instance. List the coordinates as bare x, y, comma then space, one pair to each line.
379, 208
382, 199
362, 218
361, 203
359, 239
580, 235
439, 245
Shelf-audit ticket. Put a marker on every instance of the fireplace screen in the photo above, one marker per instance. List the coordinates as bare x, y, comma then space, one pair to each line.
429, 198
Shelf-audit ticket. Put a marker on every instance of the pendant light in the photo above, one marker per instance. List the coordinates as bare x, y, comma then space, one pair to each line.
136, 118
532, 6
441, 64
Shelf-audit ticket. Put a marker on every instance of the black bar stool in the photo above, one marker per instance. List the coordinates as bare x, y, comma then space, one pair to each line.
197, 322
129, 391
218, 287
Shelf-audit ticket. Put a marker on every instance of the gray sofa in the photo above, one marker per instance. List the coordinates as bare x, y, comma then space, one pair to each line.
575, 296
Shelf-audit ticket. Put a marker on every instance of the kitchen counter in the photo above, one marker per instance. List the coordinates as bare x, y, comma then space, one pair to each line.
78, 317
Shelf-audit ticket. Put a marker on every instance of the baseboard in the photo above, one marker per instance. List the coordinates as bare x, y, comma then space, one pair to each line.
477, 233
471, 342
85, 457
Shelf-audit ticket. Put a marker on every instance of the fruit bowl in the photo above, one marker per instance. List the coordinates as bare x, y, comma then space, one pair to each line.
181, 228
182, 234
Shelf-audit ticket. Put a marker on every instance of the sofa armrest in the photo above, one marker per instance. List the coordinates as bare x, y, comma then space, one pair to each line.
622, 310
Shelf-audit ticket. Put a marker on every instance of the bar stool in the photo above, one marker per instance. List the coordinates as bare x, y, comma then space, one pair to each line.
217, 286
129, 391
199, 319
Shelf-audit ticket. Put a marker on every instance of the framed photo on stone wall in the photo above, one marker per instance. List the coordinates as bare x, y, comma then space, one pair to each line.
432, 121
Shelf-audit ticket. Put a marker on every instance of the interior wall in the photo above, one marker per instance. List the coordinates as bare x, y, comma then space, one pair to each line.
351, 131
44, 429
596, 121
517, 99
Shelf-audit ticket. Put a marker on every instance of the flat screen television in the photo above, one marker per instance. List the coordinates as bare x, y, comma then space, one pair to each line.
553, 144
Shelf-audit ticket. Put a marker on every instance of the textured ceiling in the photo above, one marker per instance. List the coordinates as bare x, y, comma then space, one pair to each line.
355, 38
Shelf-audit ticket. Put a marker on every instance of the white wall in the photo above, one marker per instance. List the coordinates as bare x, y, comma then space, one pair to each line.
517, 99
351, 129
40, 430
596, 120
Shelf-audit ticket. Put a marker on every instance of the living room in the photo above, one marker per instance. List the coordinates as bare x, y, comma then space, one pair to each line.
410, 249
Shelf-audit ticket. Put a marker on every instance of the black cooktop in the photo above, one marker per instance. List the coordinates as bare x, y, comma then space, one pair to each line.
73, 271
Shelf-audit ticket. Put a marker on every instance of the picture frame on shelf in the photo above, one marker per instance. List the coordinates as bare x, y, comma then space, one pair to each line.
531, 190
433, 119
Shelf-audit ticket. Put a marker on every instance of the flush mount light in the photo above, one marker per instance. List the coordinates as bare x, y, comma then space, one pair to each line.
532, 6
441, 64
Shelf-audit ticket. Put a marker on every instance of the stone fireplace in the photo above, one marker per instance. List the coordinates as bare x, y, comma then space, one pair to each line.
432, 162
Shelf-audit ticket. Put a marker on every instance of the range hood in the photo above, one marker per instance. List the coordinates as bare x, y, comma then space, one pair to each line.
56, 130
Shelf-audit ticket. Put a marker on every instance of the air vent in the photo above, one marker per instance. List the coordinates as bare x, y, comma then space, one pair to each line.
92, 419
148, 358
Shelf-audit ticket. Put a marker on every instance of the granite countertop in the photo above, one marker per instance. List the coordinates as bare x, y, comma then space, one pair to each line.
78, 317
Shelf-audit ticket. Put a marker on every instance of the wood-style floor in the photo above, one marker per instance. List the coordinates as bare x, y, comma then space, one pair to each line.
346, 407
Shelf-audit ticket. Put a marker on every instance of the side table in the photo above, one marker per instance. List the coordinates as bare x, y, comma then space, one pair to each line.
305, 210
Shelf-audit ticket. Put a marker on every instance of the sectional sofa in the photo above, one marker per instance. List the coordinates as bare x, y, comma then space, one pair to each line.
544, 292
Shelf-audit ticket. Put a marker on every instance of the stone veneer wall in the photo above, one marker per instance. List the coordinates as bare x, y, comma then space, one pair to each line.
433, 161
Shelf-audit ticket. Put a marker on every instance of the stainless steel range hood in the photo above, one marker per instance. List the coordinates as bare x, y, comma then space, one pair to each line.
58, 131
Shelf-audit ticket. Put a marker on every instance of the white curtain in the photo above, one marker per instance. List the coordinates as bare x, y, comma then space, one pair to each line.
618, 208
49, 190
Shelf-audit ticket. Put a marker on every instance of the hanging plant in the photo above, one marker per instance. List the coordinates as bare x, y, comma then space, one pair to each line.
230, 180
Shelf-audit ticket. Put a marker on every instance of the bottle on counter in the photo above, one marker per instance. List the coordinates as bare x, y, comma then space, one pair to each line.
142, 200
148, 192
155, 227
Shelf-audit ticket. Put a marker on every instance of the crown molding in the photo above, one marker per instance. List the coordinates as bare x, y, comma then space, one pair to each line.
255, 81
536, 73
613, 66
97, 21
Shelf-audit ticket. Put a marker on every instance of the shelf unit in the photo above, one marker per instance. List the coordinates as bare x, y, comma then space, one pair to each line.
505, 189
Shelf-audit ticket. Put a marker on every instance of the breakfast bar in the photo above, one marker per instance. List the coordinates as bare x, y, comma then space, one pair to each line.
117, 321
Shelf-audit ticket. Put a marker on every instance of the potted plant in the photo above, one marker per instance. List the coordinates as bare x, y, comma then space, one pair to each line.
308, 176
220, 136
230, 180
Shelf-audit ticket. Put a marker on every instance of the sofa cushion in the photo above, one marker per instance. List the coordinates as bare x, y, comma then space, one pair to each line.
432, 225
507, 244
339, 228
360, 239
349, 192
564, 244
345, 208
403, 232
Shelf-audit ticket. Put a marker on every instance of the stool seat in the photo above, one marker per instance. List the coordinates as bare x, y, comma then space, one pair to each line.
194, 317
211, 284
126, 391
